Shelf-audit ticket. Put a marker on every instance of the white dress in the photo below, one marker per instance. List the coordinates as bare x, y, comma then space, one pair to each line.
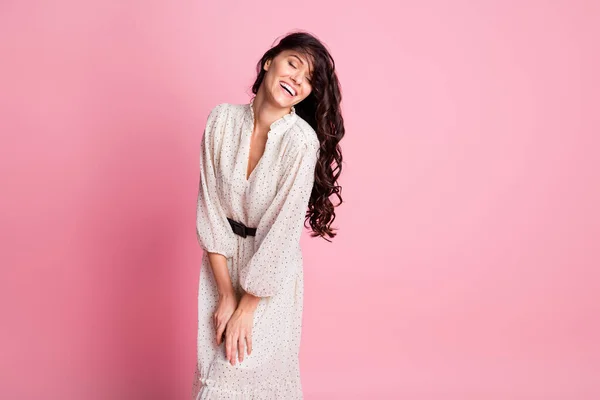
274, 200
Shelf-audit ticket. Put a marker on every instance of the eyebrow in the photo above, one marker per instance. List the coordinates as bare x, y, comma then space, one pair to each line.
293, 55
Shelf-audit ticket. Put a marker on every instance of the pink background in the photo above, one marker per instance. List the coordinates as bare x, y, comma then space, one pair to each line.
467, 261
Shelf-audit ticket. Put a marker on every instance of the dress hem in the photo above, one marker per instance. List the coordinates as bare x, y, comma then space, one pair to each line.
209, 389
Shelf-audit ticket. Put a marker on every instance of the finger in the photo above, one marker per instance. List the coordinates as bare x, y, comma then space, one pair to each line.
241, 349
220, 331
228, 340
234, 348
249, 341
218, 338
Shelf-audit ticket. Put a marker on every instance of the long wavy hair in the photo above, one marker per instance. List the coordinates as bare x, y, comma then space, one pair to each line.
321, 109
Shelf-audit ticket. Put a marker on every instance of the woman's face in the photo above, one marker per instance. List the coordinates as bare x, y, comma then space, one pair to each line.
288, 78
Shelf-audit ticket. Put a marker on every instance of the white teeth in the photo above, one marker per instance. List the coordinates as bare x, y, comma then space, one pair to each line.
289, 88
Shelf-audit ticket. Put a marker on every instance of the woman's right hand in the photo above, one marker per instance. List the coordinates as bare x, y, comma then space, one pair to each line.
227, 305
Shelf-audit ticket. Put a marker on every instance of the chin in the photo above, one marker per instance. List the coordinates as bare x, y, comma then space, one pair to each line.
283, 102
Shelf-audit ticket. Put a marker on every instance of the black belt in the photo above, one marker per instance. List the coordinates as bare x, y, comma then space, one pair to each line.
241, 229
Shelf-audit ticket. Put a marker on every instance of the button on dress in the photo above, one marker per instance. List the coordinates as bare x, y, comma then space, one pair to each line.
274, 199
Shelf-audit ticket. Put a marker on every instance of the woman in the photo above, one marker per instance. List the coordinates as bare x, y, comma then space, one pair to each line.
262, 164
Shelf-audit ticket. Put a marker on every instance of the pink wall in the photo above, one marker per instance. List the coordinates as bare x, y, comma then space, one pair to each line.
466, 266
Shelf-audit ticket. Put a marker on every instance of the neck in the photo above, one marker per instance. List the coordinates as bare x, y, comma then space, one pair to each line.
265, 112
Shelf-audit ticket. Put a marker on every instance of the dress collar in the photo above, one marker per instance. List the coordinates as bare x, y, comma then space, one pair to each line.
280, 124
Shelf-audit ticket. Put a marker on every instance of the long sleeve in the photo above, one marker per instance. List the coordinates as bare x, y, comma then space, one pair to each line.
267, 271
212, 228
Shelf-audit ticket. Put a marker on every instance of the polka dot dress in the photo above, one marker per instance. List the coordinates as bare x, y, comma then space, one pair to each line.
273, 199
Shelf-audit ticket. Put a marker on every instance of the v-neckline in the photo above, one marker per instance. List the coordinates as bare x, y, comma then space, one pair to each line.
248, 145
249, 154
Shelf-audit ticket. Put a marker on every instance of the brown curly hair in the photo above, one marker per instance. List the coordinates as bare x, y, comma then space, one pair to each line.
321, 109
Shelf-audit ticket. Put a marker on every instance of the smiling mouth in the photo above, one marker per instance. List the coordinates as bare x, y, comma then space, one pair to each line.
288, 88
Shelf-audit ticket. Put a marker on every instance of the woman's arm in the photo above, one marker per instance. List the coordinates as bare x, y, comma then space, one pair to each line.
214, 232
227, 298
218, 264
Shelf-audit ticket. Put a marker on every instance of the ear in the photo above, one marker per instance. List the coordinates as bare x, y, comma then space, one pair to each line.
267, 64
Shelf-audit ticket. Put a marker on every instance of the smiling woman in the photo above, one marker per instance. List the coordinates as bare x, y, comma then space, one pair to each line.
265, 169
287, 78
292, 64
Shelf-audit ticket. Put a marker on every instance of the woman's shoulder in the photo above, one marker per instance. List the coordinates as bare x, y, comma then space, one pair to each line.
304, 134
223, 109
225, 117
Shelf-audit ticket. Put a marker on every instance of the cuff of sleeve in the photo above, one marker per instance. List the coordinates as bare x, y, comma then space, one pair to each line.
218, 250
261, 290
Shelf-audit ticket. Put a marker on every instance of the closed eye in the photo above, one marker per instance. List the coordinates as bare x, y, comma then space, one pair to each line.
308, 79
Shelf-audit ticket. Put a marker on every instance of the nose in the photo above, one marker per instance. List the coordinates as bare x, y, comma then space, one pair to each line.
297, 78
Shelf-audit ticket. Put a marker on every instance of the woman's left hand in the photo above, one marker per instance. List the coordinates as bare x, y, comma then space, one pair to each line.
239, 333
